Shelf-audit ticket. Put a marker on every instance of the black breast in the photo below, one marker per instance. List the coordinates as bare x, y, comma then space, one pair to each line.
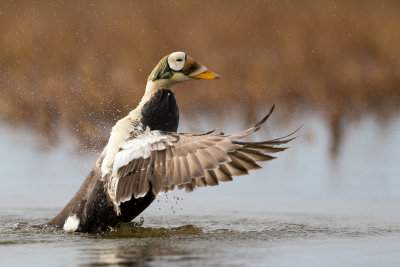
161, 112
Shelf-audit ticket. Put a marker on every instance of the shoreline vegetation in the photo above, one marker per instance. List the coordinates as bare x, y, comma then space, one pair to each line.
81, 66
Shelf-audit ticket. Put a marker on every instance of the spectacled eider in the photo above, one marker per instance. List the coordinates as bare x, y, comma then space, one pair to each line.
145, 156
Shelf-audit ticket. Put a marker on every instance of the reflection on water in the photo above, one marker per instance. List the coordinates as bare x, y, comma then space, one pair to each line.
304, 208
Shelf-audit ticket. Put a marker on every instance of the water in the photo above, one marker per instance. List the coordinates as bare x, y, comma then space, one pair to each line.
304, 208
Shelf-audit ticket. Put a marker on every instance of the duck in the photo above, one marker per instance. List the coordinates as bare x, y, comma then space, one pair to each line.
146, 157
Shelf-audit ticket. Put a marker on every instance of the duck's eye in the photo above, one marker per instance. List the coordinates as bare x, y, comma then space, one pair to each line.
179, 60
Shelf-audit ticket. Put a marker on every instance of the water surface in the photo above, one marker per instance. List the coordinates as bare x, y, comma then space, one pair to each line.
304, 208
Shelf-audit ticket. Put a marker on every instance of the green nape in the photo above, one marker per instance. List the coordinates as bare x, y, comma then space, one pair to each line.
161, 71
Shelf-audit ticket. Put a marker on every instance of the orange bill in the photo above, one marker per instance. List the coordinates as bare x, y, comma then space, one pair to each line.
208, 75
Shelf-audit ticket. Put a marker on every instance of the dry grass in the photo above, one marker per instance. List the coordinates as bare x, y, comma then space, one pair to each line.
80, 65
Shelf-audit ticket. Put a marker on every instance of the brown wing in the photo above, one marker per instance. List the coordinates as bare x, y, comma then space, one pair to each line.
189, 160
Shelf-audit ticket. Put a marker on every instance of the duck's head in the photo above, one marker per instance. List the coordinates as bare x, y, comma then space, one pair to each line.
179, 67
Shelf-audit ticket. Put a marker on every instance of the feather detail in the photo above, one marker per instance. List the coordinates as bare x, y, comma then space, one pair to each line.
162, 161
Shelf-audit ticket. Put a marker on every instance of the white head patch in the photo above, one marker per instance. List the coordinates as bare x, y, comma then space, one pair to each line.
177, 60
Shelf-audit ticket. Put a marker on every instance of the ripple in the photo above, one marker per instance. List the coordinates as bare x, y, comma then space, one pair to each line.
278, 227
133, 230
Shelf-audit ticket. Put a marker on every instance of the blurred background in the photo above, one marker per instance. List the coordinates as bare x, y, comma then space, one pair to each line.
70, 69
77, 67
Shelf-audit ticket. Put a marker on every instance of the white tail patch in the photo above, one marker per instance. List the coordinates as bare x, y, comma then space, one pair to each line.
71, 224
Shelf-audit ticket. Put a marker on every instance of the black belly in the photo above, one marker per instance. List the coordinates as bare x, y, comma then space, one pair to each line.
161, 112
99, 214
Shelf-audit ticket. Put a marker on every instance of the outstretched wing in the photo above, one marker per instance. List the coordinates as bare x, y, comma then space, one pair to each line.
163, 160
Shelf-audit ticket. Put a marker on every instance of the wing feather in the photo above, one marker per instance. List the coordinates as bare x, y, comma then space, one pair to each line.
235, 168
170, 170
222, 175
211, 178
206, 159
201, 182
137, 173
195, 166
177, 171
185, 172
163, 160
244, 161
254, 154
